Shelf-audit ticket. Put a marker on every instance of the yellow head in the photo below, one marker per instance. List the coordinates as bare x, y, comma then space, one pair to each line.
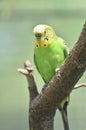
44, 35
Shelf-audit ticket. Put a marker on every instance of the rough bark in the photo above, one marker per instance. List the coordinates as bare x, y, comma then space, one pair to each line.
43, 105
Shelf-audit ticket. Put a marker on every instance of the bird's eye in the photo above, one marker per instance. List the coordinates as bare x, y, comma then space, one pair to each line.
46, 39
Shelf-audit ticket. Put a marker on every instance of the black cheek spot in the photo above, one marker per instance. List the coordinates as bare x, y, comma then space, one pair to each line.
45, 45
37, 45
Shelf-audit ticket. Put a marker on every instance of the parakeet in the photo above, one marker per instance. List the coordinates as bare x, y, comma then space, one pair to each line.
50, 52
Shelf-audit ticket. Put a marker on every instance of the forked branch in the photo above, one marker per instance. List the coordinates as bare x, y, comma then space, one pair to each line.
44, 105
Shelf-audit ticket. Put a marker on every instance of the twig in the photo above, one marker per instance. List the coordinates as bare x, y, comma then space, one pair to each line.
79, 86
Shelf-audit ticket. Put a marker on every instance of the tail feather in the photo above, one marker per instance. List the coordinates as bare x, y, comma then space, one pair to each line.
63, 110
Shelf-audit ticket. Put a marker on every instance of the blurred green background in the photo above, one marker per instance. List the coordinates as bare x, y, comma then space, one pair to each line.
17, 20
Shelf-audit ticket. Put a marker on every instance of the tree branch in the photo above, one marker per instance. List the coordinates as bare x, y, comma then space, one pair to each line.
27, 71
43, 106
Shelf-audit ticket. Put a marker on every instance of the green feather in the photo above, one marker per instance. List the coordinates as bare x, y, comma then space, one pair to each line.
49, 58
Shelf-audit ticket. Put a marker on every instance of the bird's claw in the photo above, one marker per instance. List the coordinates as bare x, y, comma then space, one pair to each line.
57, 70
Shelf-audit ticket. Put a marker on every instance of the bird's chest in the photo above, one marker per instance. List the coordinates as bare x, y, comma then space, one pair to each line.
46, 62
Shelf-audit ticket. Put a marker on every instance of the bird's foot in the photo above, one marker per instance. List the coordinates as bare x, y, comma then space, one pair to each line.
57, 70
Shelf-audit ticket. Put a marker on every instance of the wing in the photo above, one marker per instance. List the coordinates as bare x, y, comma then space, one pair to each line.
37, 66
36, 63
66, 52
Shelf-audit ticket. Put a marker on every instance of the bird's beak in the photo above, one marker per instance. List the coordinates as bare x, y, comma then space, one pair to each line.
38, 36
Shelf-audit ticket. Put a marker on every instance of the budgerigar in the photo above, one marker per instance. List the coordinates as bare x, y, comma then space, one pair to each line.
49, 54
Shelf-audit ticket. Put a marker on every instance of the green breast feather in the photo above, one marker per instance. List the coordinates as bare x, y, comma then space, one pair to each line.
49, 58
